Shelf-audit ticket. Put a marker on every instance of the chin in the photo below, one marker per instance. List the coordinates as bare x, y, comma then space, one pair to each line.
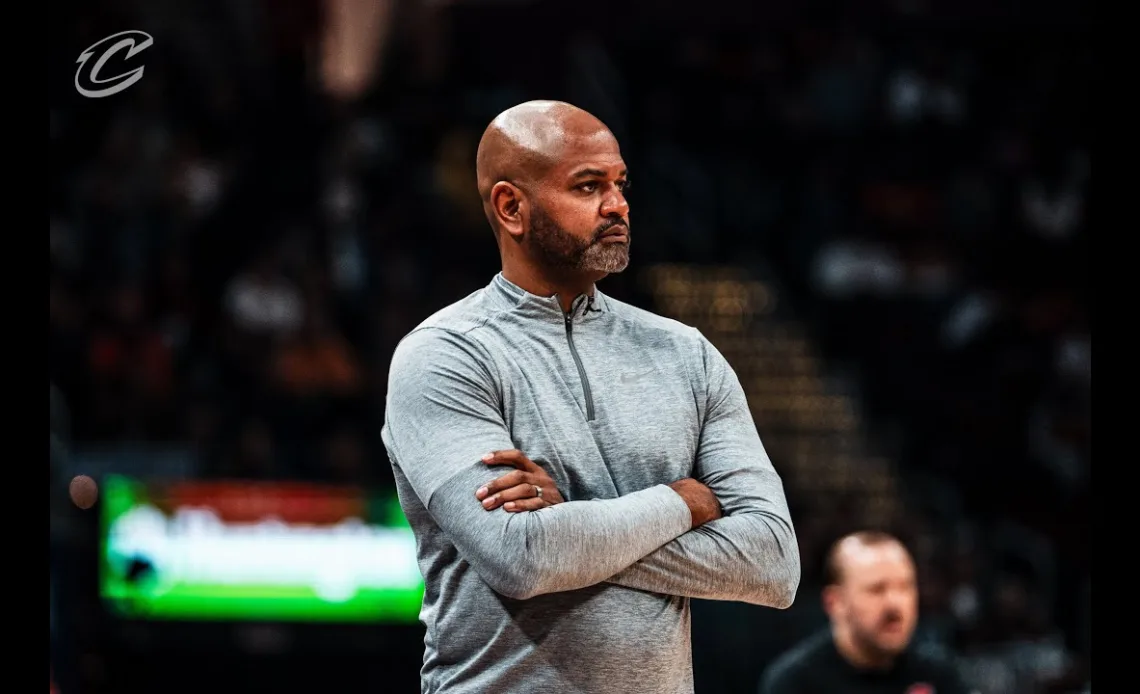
607, 262
611, 266
893, 645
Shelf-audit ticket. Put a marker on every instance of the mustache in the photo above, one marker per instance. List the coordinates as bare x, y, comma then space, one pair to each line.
890, 618
615, 222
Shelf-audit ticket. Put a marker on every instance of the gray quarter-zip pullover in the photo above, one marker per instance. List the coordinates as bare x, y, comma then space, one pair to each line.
592, 595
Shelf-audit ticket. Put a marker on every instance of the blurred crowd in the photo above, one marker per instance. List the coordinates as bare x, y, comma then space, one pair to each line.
922, 199
236, 248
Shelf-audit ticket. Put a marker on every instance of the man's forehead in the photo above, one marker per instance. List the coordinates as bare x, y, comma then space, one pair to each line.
593, 152
880, 560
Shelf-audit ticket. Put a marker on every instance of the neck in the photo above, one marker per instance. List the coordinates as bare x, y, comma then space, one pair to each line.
859, 657
544, 284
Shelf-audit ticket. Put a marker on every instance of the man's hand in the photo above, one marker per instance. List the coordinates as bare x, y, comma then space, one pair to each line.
702, 503
527, 488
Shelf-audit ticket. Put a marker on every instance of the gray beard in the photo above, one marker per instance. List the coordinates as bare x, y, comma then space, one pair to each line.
561, 251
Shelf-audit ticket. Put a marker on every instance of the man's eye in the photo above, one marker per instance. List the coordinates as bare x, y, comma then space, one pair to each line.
588, 187
623, 186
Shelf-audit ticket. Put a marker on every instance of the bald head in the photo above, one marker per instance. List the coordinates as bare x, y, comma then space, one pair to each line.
852, 550
522, 143
553, 183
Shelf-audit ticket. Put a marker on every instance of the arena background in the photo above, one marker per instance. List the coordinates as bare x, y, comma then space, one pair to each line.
877, 210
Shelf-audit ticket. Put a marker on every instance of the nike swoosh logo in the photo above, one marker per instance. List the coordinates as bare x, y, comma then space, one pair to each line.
633, 378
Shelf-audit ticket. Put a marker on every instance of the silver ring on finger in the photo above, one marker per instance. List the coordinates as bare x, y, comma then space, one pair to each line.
537, 491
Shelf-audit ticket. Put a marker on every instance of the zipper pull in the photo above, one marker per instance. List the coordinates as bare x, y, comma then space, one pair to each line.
573, 312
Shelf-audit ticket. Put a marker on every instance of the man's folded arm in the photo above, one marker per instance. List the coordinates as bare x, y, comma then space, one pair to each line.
443, 414
751, 554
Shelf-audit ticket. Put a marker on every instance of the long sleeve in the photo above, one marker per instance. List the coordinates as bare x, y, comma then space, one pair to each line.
443, 413
751, 554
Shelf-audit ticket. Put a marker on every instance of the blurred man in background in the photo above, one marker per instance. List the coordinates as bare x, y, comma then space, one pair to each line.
574, 573
871, 600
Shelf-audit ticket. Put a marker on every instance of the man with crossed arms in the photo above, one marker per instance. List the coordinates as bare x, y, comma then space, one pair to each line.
639, 479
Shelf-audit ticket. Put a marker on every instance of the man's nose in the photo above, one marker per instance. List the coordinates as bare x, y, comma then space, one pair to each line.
896, 601
615, 205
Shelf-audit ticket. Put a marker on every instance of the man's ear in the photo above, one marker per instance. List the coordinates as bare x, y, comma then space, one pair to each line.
830, 598
509, 206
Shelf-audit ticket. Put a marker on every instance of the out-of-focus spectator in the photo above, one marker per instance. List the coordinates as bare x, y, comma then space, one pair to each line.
317, 361
854, 266
132, 369
263, 302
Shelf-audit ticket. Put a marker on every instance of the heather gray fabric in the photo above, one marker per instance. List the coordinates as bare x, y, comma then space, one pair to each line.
591, 595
